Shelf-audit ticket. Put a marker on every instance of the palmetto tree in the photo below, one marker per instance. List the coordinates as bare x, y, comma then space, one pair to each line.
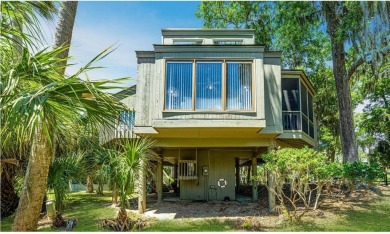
64, 169
126, 168
38, 102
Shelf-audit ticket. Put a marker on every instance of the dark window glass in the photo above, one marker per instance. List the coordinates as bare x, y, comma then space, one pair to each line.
311, 130
290, 94
208, 86
311, 114
239, 86
304, 99
305, 127
178, 93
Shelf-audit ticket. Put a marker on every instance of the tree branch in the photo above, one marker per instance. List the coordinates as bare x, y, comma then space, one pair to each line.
385, 52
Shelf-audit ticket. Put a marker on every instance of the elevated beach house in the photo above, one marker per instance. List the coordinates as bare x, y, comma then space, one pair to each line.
214, 102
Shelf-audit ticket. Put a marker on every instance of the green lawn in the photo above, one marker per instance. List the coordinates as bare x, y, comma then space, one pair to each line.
365, 217
88, 208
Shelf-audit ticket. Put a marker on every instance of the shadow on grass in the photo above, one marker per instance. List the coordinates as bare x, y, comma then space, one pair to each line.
185, 225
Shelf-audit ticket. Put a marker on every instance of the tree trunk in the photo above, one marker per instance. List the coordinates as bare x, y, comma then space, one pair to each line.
347, 130
115, 195
90, 183
64, 29
34, 184
99, 190
35, 181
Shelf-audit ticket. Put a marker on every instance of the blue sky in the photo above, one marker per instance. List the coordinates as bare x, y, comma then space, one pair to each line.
129, 26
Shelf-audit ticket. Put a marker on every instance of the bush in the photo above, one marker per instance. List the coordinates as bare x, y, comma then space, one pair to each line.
355, 172
306, 172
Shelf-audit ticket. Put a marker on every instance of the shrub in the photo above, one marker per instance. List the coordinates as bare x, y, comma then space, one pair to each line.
306, 172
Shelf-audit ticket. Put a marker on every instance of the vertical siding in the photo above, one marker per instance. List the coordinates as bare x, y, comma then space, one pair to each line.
272, 88
144, 97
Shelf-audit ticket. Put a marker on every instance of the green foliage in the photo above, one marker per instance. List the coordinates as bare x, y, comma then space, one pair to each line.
126, 165
328, 171
360, 171
299, 168
64, 170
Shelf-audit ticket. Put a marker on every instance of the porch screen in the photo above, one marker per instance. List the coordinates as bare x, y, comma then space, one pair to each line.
178, 93
208, 86
239, 86
290, 95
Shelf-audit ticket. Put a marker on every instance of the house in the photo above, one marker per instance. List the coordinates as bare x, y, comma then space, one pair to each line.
214, 101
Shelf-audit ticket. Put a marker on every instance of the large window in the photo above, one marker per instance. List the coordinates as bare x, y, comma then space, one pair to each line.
178, 93
239, 86
212, 86
208, 86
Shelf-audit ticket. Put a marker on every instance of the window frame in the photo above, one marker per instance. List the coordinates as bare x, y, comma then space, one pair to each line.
224, 83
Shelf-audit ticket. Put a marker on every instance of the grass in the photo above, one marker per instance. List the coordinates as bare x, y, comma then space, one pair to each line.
87, 208
191, 225
365, 216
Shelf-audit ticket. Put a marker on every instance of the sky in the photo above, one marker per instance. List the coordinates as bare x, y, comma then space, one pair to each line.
128, 26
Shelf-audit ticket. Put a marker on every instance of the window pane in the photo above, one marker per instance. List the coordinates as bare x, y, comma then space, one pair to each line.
305, 127
178, 93
290, 96
127, 119
209, 86
304, 99
311, 130
311, 115
239, 86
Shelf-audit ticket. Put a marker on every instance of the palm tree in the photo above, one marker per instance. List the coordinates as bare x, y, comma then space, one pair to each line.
64, 169
64, 29
40, 103
127, 166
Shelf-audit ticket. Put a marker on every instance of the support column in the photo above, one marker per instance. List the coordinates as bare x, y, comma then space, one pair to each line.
159, 181
142, 189
271, 195
248, 179
175, 172
271, 181
237, 175
254, 182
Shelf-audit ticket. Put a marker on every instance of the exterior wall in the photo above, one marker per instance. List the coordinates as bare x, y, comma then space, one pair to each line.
151, 86
221, 165
130, 101
272, 93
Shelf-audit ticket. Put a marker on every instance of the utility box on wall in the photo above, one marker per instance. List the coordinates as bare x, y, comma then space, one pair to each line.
205, 170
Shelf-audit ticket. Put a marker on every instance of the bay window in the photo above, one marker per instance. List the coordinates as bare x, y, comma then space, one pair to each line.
208, 86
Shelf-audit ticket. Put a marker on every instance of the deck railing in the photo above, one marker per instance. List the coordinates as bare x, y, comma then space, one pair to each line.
291, 120
119, 131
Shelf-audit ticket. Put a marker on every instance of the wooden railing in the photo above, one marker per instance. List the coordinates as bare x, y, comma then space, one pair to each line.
291, 120
118, 132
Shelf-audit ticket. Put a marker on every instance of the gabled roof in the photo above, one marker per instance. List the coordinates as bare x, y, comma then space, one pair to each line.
126, 92
301, 73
